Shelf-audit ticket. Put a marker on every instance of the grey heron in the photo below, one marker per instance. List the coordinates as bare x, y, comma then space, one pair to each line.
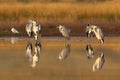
99, 62
65, 31
13, 30
33, 29
89, 51
36, 30
29, 50
64, 53
89, 32
95, 30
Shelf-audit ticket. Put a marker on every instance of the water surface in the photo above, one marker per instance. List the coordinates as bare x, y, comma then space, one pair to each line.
75, 65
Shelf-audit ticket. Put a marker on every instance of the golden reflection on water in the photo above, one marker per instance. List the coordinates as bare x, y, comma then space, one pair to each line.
73, 65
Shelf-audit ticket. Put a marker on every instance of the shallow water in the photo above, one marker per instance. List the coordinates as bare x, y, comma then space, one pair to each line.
75, 65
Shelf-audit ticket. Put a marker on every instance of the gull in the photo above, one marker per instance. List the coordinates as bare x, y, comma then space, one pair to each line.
13, 30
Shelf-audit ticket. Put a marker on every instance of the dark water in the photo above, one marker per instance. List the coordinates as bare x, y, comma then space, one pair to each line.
59, 61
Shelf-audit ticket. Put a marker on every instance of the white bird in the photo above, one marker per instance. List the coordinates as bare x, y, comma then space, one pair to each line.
89, 51
95, 30
64, 53
33, 29
98, 63
29, 50
13, 30
65, 31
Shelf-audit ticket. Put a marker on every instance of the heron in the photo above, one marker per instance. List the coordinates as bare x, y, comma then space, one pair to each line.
13, 30
33, 29
65, 31
99, 62
64, 53
92, 30
89, 51
36, 30
29, 50
89, 32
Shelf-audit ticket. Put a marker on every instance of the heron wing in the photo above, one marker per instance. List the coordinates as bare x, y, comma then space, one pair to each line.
66, 32
28, 27
101, 33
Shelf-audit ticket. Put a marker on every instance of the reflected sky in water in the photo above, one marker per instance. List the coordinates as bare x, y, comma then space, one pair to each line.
54, 60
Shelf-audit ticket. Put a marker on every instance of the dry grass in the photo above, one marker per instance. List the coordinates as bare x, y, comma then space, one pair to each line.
69, 14
59, 11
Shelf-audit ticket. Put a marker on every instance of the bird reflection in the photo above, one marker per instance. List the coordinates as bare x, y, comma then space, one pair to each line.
14, 40
35, 59
99, 62
36, 55
89, 51
29, 50
38, 47
33, 56
65, 52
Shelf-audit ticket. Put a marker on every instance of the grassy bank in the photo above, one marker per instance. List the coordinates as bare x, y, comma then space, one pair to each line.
74, 15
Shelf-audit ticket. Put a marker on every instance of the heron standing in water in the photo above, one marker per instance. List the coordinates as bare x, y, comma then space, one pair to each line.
65, 31
33, 29
92, 30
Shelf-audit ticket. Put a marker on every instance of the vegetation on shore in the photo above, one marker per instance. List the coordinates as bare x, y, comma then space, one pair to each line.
75, 15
